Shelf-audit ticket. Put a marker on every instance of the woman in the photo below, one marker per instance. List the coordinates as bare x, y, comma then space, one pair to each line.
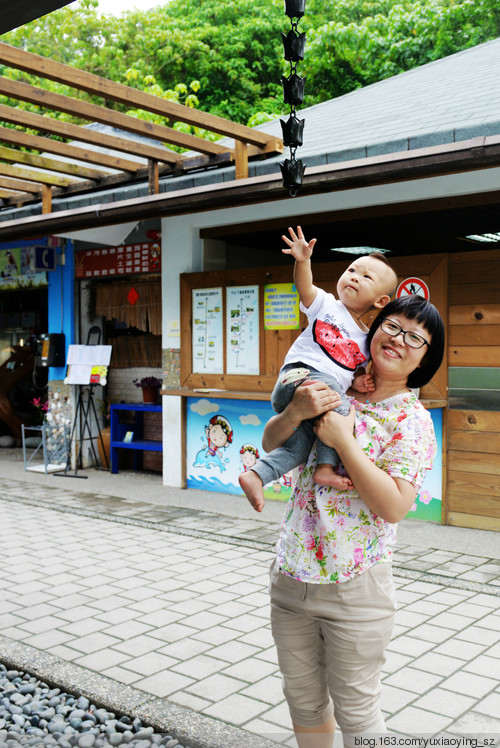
332, 595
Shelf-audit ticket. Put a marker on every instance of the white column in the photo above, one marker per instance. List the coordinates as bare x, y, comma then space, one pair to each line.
181, 253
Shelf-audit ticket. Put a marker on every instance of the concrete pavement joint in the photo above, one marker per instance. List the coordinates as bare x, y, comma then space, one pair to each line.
170, 527
188, 727
256, 545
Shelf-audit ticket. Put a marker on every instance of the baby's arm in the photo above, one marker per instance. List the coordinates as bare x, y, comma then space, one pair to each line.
301, 251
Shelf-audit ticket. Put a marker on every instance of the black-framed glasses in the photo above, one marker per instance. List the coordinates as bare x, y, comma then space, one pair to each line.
411, 338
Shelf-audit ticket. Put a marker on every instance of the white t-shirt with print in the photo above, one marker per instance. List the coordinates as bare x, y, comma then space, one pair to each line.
332, 342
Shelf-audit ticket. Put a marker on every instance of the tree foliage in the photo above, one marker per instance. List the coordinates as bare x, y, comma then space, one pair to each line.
226, 56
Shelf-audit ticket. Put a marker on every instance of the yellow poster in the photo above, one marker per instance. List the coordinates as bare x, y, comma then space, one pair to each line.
281, 307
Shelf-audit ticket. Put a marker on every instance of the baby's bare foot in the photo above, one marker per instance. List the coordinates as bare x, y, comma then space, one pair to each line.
325, 475
252, 486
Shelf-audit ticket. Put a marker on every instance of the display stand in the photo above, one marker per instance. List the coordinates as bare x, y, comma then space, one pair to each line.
87, 369
53, 446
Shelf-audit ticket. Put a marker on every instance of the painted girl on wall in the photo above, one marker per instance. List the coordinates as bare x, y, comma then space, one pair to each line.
219, 435
249, 456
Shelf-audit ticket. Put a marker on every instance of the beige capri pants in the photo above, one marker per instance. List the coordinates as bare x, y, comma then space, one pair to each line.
331, 641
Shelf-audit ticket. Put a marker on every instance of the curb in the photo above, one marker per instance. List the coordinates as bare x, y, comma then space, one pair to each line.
191, 729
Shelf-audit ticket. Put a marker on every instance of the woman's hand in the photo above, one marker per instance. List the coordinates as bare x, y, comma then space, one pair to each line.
334, 430
311, 399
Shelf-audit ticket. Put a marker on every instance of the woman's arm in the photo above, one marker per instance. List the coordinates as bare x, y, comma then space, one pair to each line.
310, 399
389, 498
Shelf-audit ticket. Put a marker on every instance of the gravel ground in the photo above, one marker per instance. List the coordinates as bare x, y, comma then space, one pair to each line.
34, 714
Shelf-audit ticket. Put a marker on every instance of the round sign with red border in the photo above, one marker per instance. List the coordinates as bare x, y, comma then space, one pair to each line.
413, 287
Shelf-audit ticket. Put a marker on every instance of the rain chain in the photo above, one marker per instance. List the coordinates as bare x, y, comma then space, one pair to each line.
292, 169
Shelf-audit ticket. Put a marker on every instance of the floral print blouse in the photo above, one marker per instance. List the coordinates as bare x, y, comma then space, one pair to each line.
330, 535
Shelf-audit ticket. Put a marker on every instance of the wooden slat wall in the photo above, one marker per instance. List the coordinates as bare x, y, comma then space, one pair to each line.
473, 496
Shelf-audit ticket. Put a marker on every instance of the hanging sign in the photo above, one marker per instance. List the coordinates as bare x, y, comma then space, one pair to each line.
413, 287
123, 260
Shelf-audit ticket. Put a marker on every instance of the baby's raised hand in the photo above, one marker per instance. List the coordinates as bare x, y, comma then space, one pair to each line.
300, 249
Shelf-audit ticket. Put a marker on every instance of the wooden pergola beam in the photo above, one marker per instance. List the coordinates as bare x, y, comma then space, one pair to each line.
96, 85
51, 164
96, 113
83, 134
6, 194
22, 185
16, 137
40, 177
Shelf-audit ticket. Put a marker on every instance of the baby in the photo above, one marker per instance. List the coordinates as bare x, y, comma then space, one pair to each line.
331, 349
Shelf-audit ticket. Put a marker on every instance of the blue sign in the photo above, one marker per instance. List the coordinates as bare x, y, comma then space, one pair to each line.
45, 258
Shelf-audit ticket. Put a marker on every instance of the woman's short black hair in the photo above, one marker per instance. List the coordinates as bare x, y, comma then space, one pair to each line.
416, 308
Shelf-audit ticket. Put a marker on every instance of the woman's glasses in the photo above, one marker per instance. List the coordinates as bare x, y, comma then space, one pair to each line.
411, 338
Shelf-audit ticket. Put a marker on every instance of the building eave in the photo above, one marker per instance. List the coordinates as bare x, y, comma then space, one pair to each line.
477, 153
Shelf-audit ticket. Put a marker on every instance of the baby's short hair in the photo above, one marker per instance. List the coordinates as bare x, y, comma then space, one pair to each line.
393, 283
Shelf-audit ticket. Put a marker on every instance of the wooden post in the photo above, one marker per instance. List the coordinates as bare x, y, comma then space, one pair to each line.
153, 177
241, 159
46, 198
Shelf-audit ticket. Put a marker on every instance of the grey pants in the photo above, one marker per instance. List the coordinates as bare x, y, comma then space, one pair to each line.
296, 449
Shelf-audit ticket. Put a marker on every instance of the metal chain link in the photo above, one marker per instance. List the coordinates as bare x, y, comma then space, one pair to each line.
292, 169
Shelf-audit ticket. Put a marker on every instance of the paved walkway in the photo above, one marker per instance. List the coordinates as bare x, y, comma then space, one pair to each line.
171, 603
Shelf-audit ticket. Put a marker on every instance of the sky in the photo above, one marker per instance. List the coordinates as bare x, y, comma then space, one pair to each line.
117, 7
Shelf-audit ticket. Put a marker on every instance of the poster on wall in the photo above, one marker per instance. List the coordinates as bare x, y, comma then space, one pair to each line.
242, 330
224, 438
281, 307
18, 269
208, 348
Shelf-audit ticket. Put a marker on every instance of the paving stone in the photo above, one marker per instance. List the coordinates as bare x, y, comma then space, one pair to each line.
241, 707
444, 702
102, 659
460, 649
394, 661
269, 690
437, 663
393, 699
250, 670
233, 651
470, 684
139, 645
408, 645
216, 687
164, 683
431, 633
200, 666
416, 681
411, 721
148, 664
484, 665
474, 723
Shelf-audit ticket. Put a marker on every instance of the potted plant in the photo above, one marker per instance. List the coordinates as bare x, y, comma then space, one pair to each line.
150, 388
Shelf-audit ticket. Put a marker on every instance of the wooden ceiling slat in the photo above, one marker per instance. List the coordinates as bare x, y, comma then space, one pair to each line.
20, 184
77, 132
6, 194
51, 164
20, 172
97, 113
16, 137
94, 84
